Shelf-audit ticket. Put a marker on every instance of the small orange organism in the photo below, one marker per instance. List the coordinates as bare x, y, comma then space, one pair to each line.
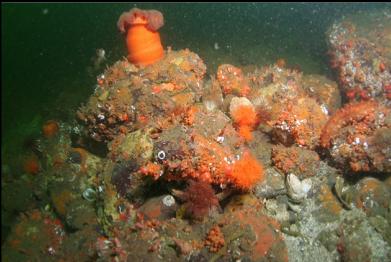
152, 169
83, 157
31, 165
281, 63
246, 172
215, 239
50, 128
245, 118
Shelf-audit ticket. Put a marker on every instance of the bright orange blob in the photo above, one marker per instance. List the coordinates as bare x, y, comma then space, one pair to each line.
144, 45
246, 172
244, 115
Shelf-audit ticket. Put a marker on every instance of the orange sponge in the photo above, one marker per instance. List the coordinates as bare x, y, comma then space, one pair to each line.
244, 115
246, 172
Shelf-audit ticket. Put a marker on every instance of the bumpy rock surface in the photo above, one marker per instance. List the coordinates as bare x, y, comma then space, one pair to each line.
360, 50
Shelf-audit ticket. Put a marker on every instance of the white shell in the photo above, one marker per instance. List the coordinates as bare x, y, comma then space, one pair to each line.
297, 190
168, 200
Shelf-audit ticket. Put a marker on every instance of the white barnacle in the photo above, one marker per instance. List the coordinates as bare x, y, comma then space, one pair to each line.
324, 109
168, 200
89, 194
161, 155
101, 116
210, 105
283, 126
220, 139
51, 250
102, 76
356, 141
299, 122
96, 88
121, 209
76, 130
100, 189
72, 179
365, 144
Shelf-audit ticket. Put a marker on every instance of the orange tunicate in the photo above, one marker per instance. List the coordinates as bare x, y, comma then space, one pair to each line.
31, 165
50, 128
143, 40
246, 172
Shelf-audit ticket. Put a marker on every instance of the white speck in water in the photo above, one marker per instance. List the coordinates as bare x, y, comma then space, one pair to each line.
216, 46
45, 11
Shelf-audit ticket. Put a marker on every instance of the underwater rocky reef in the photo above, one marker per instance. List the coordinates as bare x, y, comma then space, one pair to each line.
164, 162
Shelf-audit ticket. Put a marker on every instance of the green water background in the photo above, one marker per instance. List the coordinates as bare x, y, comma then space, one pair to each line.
47, 48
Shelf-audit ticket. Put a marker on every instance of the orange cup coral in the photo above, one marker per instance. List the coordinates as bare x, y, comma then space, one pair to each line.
31, 165
246, 172
50, 128
143, 40
244, 116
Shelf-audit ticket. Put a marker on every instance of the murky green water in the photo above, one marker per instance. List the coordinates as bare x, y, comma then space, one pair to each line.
47, 49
